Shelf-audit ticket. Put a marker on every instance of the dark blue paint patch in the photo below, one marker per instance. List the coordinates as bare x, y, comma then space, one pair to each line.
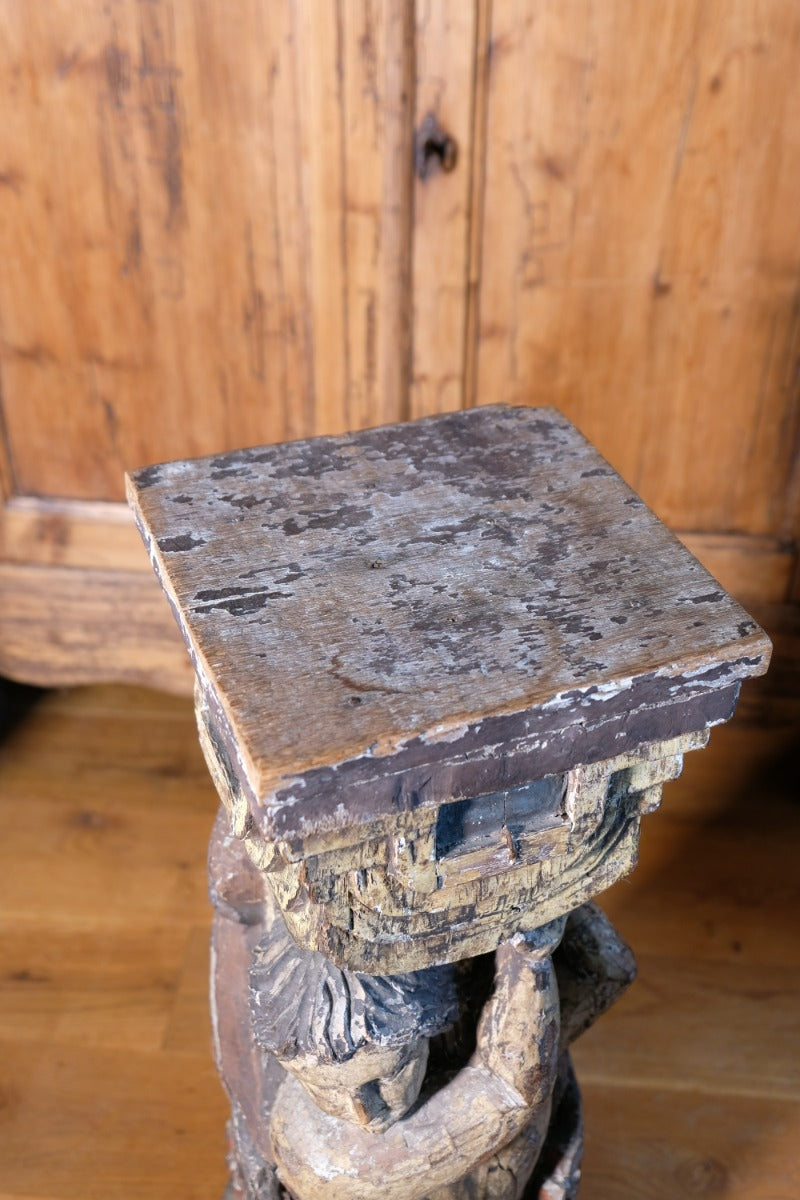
147, 477
239, 606
180, 543
340, 518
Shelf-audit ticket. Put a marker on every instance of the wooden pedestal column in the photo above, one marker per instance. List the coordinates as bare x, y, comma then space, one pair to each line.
443, 669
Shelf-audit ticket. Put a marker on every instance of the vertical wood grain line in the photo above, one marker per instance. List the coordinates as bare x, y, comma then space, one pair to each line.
789, 519
399, 190
477, 190
7, 475
345, 259
309, 396
276, 241
794, 590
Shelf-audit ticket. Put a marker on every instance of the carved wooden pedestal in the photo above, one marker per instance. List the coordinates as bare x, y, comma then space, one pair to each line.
442, 670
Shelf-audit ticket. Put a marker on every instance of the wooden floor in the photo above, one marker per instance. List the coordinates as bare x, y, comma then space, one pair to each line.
692, 1084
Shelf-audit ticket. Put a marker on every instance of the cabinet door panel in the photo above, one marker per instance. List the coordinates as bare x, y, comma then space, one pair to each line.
450, 38
211, 235
205, 230
641, 242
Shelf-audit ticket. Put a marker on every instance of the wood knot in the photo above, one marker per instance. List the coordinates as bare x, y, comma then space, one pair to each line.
702, 1177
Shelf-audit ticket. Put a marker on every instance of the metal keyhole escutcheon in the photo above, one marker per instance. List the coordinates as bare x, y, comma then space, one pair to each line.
434, 148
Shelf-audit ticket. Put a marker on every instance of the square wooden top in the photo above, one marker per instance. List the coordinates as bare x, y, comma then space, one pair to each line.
363, 604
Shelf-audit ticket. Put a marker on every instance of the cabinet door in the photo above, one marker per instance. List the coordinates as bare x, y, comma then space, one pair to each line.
214, 232
205, 229
641, 253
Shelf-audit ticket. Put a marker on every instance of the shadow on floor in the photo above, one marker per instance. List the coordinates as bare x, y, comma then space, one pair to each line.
16, 701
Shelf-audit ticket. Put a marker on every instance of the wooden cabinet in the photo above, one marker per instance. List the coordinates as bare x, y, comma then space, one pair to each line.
212, 234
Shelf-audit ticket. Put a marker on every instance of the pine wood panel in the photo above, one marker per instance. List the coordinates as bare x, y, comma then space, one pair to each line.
70, 533
61, 625
446, 46
211, 236
641, 243
206, 224
228, 248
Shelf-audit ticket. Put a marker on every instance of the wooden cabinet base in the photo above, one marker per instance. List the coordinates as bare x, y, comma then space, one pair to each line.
61, 626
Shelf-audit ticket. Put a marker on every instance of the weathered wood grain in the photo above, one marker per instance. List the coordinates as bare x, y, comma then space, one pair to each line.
242, 252
624, 268
412, 587
60, 626
390, 898
442, 215
506, 1087
204, 210
400, 1156
318, 1011
58, 645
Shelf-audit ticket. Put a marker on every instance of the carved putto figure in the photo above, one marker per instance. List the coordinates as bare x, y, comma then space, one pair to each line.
443, 669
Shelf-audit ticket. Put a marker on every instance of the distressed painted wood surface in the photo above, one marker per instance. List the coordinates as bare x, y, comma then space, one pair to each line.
389, 897
355, 1051
504, 1090
413, 593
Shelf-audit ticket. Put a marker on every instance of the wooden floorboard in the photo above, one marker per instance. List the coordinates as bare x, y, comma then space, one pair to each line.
645, 1143
107, 1089
89, 1123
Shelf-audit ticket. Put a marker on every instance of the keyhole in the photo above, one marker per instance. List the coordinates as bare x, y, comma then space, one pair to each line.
434, 148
